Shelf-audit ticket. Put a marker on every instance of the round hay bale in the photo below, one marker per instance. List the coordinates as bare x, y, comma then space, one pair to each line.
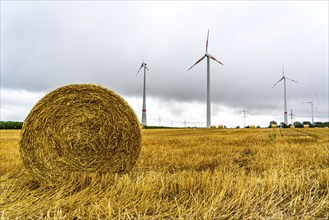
77, 130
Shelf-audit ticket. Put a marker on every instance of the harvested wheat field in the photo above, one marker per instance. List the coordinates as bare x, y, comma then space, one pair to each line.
186, 174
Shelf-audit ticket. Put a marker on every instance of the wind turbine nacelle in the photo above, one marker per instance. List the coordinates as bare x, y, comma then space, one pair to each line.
212, 57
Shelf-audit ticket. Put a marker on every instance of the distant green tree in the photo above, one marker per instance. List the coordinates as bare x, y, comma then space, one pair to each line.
318, 124
272, 122
283, 125
11, 125
321, 124
308, 123
297, 124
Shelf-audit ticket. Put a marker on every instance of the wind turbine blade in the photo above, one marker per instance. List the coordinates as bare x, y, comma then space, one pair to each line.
291, 80
140, 69
197, 62
207, 42
283, 69
147, 68
213, 58
278, 82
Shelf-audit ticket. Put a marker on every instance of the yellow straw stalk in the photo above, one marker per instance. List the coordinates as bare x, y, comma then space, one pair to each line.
77, 130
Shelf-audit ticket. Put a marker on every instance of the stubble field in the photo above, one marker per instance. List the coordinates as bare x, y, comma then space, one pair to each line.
186, 174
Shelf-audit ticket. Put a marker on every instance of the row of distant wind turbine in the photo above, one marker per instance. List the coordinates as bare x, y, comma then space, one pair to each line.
285, 111
209, 56
208, 84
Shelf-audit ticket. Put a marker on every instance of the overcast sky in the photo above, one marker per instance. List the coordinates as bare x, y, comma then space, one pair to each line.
48, 44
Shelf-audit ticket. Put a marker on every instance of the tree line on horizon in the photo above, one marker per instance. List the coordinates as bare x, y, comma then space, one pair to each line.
297, 124
11, 125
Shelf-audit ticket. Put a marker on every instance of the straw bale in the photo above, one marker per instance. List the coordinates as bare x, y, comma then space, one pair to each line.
77, 130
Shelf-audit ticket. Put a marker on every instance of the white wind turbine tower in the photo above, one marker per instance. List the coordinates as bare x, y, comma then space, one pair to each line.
285, 94
144, 92
244, 116
208, 79
311, 110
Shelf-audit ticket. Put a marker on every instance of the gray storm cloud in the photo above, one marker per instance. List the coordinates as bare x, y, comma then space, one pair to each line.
45, 45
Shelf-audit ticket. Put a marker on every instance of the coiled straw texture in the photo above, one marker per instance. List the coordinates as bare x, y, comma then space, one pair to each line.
79, 129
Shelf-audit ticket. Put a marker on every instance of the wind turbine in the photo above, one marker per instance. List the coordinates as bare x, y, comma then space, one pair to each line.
208, 78
244, 116
311, 109
144, 65
285, 94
